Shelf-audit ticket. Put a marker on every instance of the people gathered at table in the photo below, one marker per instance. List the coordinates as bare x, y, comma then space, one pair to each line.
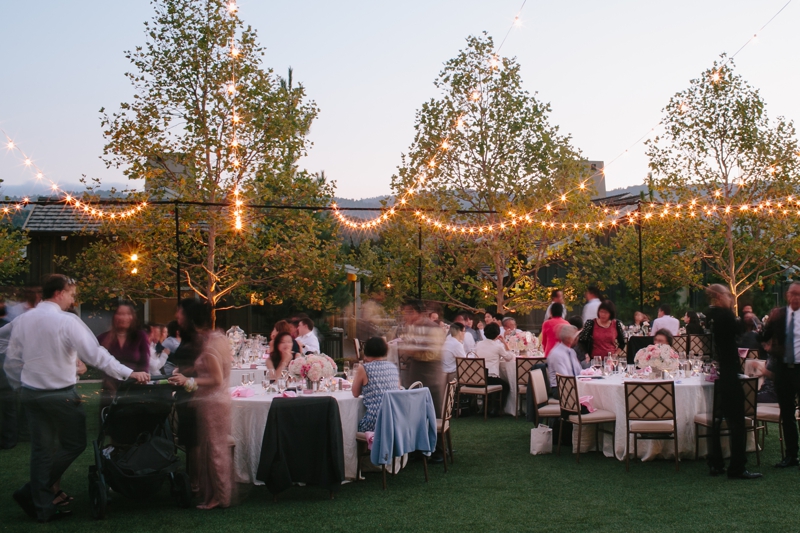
493, 350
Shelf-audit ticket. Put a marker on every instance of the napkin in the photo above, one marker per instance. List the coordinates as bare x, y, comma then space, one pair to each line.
289, 394
586, 401
242, 392
743, 352
588, 372
370, 438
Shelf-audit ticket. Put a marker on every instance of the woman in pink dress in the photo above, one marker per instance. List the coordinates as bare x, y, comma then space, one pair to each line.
212, 404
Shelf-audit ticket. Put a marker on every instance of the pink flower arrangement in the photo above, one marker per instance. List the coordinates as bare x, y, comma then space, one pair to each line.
657, 357
313, 367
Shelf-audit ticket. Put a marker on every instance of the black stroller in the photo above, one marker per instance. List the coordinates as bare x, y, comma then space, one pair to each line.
135, 451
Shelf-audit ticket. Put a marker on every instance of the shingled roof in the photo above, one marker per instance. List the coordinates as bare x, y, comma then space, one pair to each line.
59, 218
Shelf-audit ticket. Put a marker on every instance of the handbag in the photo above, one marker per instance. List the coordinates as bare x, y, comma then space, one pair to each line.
541, 440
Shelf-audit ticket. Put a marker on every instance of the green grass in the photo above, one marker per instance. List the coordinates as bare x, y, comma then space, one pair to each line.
495, 485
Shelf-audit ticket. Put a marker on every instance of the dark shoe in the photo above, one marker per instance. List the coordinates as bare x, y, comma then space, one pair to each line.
714, 472
787, 462
436, 458
24, 501
58, 515
745, 475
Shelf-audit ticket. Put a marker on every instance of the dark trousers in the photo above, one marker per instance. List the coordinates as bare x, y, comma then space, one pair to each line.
729, 404
499, 381
431, 375
8, 411
787, 386
57, 424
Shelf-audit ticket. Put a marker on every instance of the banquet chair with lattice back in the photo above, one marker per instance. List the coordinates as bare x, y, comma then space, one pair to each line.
472, 380
542, 406
650, 415
524, 366
700, 344
443, 435
570, 404
680, 343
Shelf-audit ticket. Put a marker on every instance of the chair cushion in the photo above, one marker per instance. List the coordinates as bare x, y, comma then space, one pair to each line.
769, 414
652, 426
361, 436
438, 425
594, 418
550, 411
760, 405
552, 401
523, 389
480, 390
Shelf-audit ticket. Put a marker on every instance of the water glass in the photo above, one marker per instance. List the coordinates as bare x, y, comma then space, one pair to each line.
244, 380
623, 366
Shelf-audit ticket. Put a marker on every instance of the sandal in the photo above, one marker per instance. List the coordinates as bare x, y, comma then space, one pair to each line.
63, 498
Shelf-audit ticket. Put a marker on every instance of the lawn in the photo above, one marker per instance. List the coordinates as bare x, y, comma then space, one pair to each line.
495, 485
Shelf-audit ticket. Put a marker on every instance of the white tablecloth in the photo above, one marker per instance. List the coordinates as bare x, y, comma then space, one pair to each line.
249, 419
692, 396
508, 372
236, 375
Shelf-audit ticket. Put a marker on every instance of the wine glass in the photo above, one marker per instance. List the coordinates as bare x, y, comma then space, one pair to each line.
282, 385
244, 380
346, 369
252, 378
352, 375
623, 365
597, 363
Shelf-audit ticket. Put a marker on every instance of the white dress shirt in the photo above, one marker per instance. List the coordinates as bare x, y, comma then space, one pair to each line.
451, 349
796, 330
493, 352
43, 345
310, 342
562, 360
469, 343
667, 322
590, 309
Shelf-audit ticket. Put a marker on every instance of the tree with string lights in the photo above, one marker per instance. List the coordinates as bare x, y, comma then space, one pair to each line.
484, 145
720, 146
209, 124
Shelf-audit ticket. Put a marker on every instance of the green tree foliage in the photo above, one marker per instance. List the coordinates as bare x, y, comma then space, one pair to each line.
13, 244
485, 144
177, 134
720, 147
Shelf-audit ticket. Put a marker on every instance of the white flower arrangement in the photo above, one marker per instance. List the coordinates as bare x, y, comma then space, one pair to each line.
313, 367
658, 357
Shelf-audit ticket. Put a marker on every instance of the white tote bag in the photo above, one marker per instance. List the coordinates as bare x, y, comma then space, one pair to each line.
541, 440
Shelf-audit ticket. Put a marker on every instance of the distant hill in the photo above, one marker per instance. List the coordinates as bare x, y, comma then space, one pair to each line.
633, 190
33, 190
375, 201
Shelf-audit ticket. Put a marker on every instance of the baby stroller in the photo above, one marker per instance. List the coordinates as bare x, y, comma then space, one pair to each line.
135, 451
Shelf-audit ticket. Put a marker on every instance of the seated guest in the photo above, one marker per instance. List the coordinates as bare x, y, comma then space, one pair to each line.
510, 327
306, 336
663, 336
551, 326
640, 321
493, 349
749, 339
171, 344
453, 347
282, 355
577, 321
693, 325
562, 359
665, 321
470, 334
127, 343
373, 378
283, 326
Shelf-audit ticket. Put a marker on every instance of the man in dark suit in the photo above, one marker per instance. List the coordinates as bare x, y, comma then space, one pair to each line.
781, 337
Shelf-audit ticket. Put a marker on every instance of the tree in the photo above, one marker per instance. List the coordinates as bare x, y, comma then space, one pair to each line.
13, 243
720, 148
485, 144
208, 124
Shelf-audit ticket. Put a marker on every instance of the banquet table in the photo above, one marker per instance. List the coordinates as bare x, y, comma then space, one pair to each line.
692, 396
260, 373
508, 371
249, 419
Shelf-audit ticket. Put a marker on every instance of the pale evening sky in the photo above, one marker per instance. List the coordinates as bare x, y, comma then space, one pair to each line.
607, 68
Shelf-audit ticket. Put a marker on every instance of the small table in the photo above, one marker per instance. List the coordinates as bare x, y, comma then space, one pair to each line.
249, 419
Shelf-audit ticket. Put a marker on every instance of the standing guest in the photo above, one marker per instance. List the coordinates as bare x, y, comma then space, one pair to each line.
749, 339
551, 326
423, 342
469, 341
592, 296
306, 337
453, 347
749, 309
493, 350
127, 343
282, 355
729, 403
212, 404
43, 347
603, 335
693, 325
556, 297
563, 359
373, 378
666, 321
781, 338
434, 316
32, 297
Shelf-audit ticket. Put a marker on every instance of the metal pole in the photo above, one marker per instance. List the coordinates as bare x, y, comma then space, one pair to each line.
419, 264
641, 267
178, 252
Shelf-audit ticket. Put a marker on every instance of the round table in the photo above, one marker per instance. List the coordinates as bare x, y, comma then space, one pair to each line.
249, 419
692, 396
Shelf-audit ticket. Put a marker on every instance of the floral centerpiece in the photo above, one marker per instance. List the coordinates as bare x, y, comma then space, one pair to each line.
520, 341
313, 367
657, 357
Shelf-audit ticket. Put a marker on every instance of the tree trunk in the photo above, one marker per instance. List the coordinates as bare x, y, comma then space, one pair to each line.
733, 285
211, 284
500, 301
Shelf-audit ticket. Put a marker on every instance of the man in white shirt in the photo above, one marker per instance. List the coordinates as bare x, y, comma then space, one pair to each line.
665, 321
306, 336
453, 347
556, 297
42, 350
493, 350
566, 361
469, 340
592, 303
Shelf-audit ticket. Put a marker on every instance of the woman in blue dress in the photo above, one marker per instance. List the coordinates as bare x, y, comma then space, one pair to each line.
373, 378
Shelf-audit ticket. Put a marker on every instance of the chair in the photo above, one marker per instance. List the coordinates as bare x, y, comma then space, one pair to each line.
357, 345
771, 413
443, 434
650, 415
539, 391
751, 418
700, 344
524, 366
472, 379
571, 406
680, 344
